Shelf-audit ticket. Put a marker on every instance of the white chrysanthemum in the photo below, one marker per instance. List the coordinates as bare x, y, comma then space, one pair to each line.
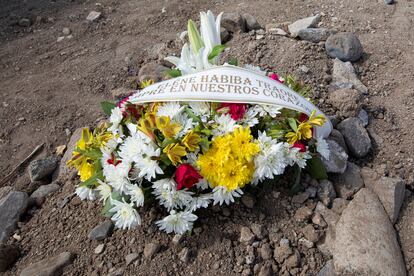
125, 217
136, 194
117, 176
186, 124
104, 190
322, 147
222, 195
85, 193
178, 223
166, 192
201, 201
224, 124
191, 158
249, 117
202, 184
170, 109
132, 147
296, 157
264, 110
201, 109
115, 119
148, 168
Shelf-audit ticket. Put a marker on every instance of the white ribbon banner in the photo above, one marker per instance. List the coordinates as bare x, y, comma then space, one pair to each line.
229, 84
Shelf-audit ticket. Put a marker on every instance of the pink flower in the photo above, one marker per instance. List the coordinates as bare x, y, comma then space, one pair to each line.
186, 176
235, 110
300, 146
275, 77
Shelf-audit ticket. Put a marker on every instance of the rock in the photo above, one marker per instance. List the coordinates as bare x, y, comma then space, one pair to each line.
344, 46
346, 101
306, 243
224, 35
102, 231
293, 260
60, 38
273, 29
391, 191
152, 71
44, 190
339, 139
348, 183
315, 34
326, 244
389, 2
337, 158
258, 230
41, 168
246, 236
318, 220
248, 200
363, 117
356, 137
49, 267
300, 198
344, 76
5, 190
8, 256
326, 192
303, 214
310, 233
266, 271
266, 252
305, 69
100, 248
184, 255
116, 272
66, 31
233, 22
327, 270
12, 207
282, 251
328, 215
131, 258
339, 205
93, 16
365, 240
63, 171
151, 249
177, 239
120, 93
304, 23
251, 22
25, 22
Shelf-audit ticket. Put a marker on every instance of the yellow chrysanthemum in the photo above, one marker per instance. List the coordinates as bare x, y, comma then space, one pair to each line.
191, 140
228, 162
174, 152
168, 129
304, 129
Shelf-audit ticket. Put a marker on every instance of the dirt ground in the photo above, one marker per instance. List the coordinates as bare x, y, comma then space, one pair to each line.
50, 88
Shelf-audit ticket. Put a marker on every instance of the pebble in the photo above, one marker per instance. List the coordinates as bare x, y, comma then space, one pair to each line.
8, 256
93, 16
266, 252
304, 23
246, 235
151, 249
339, 139
25, 22
66, 31
184, 255
177, 239
356, 137
337, 158
389, 2
251, 22
300, 198
344, 76
293, 260
315, 35
41, 168
12, 207
102, 231
363, 117
120, 93
45, 190
5, 190
50, 266
327, 270
281, 252
306, 243
224, 35
152, 71
248, 200
303, 214
344, 46
304, 69
233, 22
339, 205
326, 192
310, 233
347, 101
100, 248
348, 183
131, 258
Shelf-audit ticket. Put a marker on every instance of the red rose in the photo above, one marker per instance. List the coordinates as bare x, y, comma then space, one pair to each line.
186, 176
300, 146
275, 77
235, 110
303, 117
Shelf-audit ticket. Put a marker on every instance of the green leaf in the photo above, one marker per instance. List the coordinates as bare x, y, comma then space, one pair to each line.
233, 61
107, 107
292, 124
91, 182
173, 73
217, 50
297, 187
196, 41
316, 169
108, 205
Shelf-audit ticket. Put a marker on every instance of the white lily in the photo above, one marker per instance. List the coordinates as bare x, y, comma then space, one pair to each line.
210, 29
189, 62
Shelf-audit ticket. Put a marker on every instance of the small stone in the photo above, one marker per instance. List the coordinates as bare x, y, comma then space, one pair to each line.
327, 270
120, 93
251, 22
391, 191
315, 34
300, 198
66, 31
60, 38
281, 252
184, 255
337, 158
12, 207
93, 16
339, 205
344, 46
329, 216
338, 138
266, 252
272, 29
45, 190
177, 239
248, 200
304, 69
41, 168
102, 231
224, 35
346, 101
117, 272
310, 233
363, 117
304, 23
258, 230
293, 260
326, 192
344, 76
50, 266
266, 271
389, 2
100, 248
131, 258
303, 214
8, 256
233, 22
5, 190
151, 249
306, 243
246, 235
25, 22
356, 137
348, 183
152, 71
